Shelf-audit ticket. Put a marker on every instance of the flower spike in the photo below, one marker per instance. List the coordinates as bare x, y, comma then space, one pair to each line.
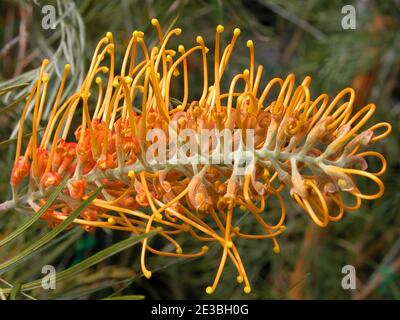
313, 149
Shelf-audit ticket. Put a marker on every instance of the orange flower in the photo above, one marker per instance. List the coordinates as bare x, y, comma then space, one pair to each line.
309, 146
19, 171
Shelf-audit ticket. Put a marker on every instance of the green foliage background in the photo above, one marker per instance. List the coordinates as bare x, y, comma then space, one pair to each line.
303, 37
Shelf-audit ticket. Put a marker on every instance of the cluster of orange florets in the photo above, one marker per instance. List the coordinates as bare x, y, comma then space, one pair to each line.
307, 145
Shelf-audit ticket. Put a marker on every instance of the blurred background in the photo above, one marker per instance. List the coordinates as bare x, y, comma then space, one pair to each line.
303, 37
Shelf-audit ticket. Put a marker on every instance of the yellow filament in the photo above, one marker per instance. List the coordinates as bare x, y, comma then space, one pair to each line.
251, 48
368, 110
382, 135
228, 52
378, 155
368, 175
202, 100
55, 106
267, 89
228, 244
218, 32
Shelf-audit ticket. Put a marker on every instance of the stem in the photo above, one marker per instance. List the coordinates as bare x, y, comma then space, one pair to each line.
7, 205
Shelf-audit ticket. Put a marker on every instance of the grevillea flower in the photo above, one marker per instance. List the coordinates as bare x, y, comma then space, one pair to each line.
311, 147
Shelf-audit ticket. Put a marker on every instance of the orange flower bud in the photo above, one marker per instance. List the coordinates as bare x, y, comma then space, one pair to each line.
77, 188
50, 179
19, 171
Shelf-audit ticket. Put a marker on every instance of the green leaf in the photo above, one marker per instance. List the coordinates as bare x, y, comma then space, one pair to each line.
49, 253
14, 292
37, 215
10, 88
129, 297
91, 261
13, 104
4, 267
80, 292
8, 141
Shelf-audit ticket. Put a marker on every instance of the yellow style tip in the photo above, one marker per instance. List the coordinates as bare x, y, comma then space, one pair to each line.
111, 221
247, 289
209, 290
249, 43
276, 249
229, 244
147, 274
220, 28
181, 49
204, 249
131, 174
178, 31
98, 80
178, 250
239, 279
128, 80
199, 40
85, 95
45, 78
67, 67
109, 36
159, 216
154, 22
236, 32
